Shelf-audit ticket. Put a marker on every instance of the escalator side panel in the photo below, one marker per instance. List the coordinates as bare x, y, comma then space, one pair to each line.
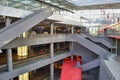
23, 25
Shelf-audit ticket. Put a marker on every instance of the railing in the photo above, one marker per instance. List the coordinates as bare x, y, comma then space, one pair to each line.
30, 60
24, 61
44, 35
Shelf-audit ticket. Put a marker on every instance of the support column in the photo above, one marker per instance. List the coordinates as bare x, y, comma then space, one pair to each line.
9, 61
71, 49
71, 45
51, 28
51, 54
51, 44
52, 64
9, 51
51, 50
8, 21
72, 30
52, 71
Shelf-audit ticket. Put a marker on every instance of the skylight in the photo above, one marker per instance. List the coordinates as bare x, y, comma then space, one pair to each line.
92, 2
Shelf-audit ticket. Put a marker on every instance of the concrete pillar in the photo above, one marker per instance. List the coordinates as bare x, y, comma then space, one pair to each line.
51, 54
51, 44
51, 50
72, 30
9, 61
9, 51
52, 71
51, 28
71, 49
8, 21
71, 44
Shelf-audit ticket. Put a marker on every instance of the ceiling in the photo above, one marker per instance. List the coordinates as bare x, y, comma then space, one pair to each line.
84, 4
68, 5
92, 2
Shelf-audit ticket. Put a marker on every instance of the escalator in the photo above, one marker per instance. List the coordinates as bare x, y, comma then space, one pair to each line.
100, 40
90, 45
10, 32
90, 65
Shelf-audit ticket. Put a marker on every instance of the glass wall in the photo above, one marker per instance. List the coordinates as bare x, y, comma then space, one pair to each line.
114, 29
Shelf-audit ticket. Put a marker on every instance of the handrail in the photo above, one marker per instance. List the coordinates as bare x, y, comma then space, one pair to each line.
28, 59
24, 60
